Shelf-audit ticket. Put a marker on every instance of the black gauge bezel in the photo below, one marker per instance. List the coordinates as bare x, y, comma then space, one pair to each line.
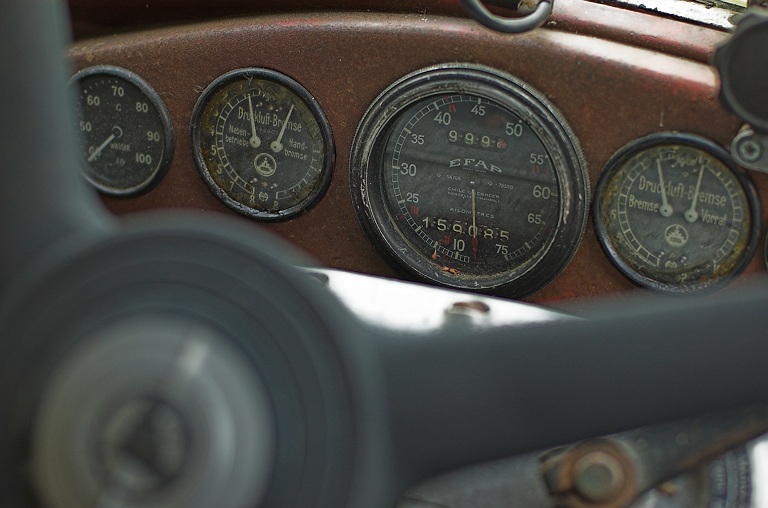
313, 105
521, 99
161, 169
765, 252
637, 146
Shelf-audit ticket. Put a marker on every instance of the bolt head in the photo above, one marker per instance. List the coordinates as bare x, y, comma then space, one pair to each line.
599, 477
750, 150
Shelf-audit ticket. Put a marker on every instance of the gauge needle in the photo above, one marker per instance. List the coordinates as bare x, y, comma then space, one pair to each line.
277, 145
101, 148
666, 209
474, 226
691, 215
254, 141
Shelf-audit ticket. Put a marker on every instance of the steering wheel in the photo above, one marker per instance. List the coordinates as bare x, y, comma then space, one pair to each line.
180, 360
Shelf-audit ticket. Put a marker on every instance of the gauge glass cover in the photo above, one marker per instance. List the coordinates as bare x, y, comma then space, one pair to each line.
468, 178
262, 144
675, 214
127, 138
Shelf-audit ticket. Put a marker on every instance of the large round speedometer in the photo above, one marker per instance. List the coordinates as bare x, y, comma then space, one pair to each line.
466, 177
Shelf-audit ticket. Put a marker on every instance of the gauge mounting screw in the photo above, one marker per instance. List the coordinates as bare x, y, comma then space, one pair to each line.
750, 150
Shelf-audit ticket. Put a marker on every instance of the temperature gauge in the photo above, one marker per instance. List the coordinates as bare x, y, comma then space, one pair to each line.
127, 139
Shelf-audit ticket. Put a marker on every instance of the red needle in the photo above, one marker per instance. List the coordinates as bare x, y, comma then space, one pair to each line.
474, 227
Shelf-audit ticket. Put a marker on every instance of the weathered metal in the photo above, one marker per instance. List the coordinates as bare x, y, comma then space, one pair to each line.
601, 66
611, 472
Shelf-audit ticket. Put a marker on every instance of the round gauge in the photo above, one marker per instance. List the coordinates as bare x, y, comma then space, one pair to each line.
468, 178
675, 214
127, 139
262, 144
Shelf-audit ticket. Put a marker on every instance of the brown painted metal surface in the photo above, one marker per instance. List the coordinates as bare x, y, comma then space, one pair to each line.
611, 86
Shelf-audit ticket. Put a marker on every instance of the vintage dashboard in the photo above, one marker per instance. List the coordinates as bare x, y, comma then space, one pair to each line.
593, 80
181, 359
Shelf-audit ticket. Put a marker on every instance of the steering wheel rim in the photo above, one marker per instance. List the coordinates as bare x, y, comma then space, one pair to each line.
203, 275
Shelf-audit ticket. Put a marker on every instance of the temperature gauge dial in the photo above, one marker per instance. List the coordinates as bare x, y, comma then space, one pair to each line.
675, 214
126, 133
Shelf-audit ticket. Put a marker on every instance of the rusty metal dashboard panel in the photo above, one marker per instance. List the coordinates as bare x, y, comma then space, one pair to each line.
615, 75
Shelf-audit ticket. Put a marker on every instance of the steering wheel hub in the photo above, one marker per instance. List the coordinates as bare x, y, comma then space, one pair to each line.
173, 413
177, 366
145, 445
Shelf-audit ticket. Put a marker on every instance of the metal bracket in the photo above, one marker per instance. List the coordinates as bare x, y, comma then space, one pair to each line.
750, 149
480, 13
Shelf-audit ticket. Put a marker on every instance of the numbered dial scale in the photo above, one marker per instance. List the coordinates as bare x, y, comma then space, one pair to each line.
465, 177
262, 144
675, 214
127, 139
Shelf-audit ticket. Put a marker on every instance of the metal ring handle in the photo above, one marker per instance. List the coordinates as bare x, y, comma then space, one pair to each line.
479, 12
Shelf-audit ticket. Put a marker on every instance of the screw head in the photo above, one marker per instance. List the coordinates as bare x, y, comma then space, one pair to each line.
750, 150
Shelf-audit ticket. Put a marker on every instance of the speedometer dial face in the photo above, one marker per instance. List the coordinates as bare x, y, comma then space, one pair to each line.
468, 178
457, 208
262, 144
675, 214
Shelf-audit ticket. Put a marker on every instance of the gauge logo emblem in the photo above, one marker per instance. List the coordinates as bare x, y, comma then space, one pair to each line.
265, 164
676, 235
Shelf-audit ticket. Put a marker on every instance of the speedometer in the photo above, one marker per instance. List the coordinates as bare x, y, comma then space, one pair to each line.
468, 178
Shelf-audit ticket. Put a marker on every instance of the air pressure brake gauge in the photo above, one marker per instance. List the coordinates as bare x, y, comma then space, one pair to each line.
262, 144
675, 214
126, 133
465, 177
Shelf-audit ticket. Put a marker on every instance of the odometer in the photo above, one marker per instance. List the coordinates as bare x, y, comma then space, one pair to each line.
466, 177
